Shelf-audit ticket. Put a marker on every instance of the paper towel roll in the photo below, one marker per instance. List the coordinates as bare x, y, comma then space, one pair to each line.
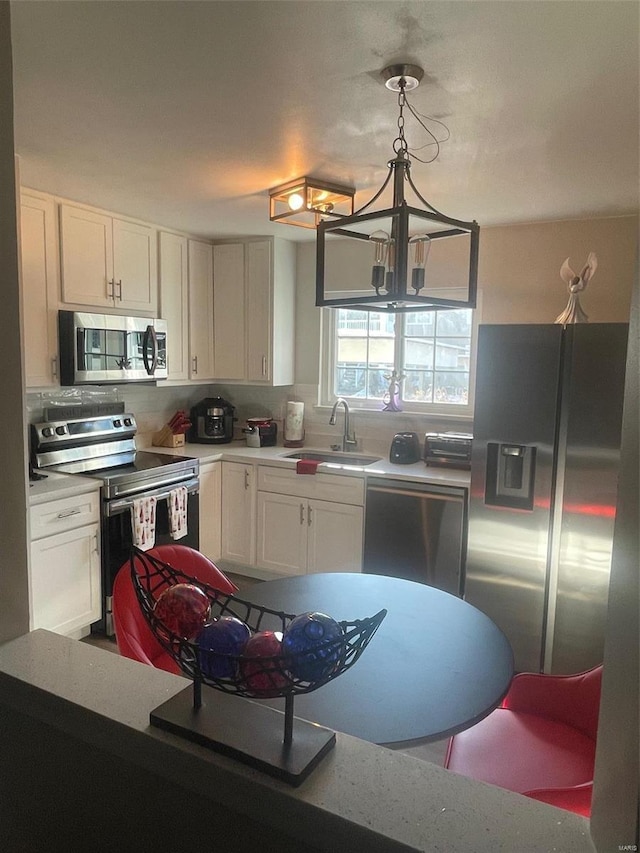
293, 422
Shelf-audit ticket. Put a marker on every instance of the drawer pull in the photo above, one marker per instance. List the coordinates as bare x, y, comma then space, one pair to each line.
68, 512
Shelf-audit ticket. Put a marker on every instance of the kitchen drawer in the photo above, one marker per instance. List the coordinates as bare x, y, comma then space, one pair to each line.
54, 517
326, 487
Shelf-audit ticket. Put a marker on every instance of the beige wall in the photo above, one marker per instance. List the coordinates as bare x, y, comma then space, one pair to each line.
520, 269
519, 276
14, 603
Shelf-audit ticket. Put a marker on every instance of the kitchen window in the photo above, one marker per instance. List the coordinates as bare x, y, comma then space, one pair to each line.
433, 350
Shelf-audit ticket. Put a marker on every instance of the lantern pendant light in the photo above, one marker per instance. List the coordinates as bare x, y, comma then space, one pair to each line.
402, 258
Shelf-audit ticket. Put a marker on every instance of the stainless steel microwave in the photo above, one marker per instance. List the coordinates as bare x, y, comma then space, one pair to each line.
99, 349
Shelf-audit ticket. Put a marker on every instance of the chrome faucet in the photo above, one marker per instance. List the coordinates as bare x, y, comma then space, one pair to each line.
349, 441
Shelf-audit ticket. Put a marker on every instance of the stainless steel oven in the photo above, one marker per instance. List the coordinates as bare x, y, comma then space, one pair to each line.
103, 447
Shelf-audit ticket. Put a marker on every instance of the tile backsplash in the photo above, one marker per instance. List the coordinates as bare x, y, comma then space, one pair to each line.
153, 407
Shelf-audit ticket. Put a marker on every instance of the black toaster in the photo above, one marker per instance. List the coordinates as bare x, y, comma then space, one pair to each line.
405, 448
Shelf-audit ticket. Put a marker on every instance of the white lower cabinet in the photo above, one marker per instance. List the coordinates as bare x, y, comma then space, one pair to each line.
64, 568
299, 536
282, 533
210, 510
335, 537
239, 513
309, 523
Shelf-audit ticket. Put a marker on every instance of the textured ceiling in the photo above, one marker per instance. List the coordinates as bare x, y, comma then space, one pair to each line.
185, 113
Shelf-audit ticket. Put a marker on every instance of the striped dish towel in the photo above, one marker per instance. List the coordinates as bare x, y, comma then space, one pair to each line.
178, 512
143, 523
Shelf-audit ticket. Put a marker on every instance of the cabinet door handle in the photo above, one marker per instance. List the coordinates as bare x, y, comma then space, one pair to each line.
264, 365
301, 513
194, 362
95, 541
119, 286
68, 512
54, 367
246, 478
110, 289
309, 511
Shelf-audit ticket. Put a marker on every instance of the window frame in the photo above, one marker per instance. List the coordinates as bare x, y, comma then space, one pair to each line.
328, 356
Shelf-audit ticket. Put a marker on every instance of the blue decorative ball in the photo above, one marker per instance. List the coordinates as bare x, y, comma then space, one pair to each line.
224, 636
303, 646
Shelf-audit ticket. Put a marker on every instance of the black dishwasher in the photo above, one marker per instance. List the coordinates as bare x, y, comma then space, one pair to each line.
417, 532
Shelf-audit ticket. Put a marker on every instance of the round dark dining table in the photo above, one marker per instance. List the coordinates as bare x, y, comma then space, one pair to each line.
435, 666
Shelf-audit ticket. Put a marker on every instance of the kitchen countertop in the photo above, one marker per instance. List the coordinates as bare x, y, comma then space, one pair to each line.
65, 698
58, 486
418, 472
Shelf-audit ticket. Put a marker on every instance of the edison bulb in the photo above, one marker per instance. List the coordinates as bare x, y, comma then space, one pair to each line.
295, 201
421, 244
380, 252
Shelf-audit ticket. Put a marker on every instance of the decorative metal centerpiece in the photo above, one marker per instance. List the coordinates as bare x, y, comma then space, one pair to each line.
248, 730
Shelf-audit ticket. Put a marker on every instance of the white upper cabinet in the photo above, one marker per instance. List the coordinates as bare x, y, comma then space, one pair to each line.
229, 324
107, 262
174, 301
230, 307
86, 246
201, 350
260, 316
254, 309
39, 282
135, 271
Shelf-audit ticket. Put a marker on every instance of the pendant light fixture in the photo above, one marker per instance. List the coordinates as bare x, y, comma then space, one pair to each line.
403, 257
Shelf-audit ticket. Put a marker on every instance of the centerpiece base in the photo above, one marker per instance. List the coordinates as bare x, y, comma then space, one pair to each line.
247, 731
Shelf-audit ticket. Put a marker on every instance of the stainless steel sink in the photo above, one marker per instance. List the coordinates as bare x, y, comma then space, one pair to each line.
335, 456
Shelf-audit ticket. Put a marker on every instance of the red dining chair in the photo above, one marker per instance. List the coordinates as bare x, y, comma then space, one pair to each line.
541, 742
134, 637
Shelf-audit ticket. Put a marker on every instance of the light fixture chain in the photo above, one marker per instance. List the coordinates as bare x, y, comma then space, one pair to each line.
400, 143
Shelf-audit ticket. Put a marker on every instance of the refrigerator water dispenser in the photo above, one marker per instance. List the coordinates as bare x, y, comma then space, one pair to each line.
510, 475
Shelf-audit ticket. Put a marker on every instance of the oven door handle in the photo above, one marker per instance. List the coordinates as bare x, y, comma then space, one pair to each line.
116, 507
150, 335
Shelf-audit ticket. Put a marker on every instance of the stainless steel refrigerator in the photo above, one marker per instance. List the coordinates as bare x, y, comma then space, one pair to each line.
544, 472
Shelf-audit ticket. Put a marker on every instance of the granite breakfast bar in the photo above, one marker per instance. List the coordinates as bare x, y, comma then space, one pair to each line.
82, 766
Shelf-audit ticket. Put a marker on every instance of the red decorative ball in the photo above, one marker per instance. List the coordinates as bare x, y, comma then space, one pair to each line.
183, 609
264, 678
